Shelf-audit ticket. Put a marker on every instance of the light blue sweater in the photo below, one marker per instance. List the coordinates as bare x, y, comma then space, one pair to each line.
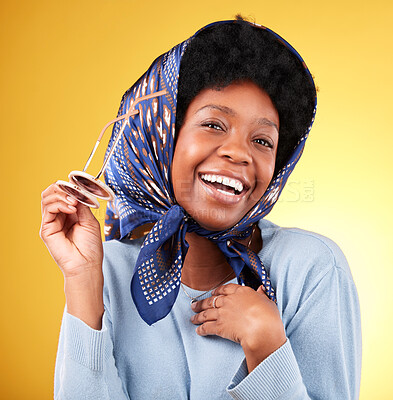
128, 359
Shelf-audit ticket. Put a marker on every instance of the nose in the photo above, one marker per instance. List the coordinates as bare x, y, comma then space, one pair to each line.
236, 148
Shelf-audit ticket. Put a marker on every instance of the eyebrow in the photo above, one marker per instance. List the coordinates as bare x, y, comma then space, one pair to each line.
265, 121
229, 111
224, 109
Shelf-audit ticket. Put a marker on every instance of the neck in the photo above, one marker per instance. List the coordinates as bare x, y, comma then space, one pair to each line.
205, 265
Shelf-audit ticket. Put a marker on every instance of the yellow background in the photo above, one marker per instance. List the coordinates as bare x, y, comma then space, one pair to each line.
64, 67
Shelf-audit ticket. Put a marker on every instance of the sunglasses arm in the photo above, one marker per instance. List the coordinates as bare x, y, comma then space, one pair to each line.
119, 135
132, 112
125, 116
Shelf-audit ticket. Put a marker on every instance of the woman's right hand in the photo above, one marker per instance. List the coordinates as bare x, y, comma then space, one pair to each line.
72, 235
70, 232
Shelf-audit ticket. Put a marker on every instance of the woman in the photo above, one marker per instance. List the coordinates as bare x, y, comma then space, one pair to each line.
275, 310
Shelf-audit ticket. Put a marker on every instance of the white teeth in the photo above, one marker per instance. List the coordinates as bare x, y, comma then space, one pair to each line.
233, 183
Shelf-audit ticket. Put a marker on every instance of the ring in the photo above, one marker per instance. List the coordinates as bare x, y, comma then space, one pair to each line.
214, 301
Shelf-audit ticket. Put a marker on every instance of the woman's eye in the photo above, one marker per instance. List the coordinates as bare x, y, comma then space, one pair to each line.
213, 125
264, 142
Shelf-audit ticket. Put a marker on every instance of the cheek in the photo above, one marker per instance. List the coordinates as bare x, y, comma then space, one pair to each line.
188, 155
183, 170
265, 170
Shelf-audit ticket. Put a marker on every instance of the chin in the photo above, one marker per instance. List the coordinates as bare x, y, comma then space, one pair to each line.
214, 224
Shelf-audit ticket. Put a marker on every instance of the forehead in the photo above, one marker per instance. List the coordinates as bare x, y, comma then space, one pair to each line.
244, 100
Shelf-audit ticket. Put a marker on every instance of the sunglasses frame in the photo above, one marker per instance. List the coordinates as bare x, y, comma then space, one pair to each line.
75, 186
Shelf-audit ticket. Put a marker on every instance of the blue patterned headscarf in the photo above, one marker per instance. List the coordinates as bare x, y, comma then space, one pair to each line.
139, 175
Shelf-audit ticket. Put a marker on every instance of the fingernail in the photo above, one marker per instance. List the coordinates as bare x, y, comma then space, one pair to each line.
71, 208
70, 199
193, 306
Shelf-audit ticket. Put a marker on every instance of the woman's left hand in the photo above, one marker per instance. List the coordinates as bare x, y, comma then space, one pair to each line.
243, 315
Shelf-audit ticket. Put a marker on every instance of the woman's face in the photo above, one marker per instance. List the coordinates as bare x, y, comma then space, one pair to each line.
225, 154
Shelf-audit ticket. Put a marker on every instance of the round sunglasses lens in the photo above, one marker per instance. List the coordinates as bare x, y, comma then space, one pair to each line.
90, 186
77, 195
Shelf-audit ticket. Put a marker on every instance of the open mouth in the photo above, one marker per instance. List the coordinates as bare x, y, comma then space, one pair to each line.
224, 184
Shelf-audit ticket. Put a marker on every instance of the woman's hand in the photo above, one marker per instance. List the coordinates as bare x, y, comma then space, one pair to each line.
70, 232
242, 315
72, 235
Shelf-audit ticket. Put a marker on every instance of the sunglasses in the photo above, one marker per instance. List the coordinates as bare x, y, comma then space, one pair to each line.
86, 188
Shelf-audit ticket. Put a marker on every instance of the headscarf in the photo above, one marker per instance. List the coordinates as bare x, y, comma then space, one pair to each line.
139, 174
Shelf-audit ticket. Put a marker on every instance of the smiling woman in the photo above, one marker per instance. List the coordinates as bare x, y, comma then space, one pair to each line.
225, 154
221, 122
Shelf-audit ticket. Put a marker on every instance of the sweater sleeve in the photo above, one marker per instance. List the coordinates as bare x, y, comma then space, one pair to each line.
322, 356
85, 366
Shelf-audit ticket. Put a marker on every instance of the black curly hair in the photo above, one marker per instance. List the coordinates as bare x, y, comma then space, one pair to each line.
238, 51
